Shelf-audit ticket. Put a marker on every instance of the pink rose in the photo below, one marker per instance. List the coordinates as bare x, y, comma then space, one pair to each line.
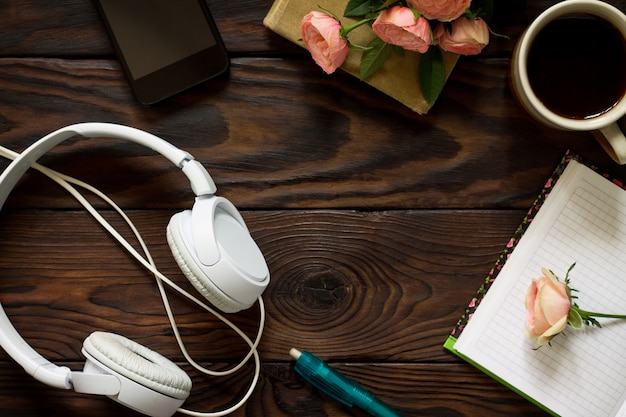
442, 10
399, 26
548, 305
322, 37
467, 36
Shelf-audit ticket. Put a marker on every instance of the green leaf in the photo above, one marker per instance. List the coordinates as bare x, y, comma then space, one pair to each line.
374, 57
356, 8
432, 74
592, 322
574, 319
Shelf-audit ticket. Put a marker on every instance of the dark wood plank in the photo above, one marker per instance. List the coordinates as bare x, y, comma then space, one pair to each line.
70, 28
73, 27
385, 286
414, 390
333, 142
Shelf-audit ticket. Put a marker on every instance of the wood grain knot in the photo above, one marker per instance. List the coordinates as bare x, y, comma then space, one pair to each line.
323, 291
315, 294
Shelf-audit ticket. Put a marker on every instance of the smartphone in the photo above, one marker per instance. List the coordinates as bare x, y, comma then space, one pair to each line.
165, 46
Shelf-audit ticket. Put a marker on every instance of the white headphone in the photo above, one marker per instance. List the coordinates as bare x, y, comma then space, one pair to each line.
211, 245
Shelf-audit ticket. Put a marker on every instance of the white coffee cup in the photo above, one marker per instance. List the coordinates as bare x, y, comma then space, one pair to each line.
604, 124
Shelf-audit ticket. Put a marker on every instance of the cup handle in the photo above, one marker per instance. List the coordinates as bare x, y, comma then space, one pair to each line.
613, 141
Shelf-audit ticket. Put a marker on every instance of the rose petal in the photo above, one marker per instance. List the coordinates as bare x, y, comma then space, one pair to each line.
552, 331
553, 301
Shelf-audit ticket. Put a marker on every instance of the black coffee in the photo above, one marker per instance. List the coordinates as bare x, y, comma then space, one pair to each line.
577, 66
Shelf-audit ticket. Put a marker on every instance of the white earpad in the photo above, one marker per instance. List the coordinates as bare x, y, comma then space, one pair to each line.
138, 363
190, 266
214, 249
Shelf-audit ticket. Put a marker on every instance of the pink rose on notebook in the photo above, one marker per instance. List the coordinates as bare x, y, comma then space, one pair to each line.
550, 307
548, 304
399, 26
465, 36
322, 36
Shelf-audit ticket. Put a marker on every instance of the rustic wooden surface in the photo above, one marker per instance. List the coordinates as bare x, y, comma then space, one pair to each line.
378, 224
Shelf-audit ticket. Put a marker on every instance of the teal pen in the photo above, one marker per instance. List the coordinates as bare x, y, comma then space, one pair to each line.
338, 386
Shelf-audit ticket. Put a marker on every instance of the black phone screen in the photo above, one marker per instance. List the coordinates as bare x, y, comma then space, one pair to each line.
173, 38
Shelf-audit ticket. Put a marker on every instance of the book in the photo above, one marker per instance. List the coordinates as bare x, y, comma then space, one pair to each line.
579, 217
397, 78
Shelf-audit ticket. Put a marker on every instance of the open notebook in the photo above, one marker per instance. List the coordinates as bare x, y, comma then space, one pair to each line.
579, 217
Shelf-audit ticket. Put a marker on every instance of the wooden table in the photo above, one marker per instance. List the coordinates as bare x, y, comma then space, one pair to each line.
378, 225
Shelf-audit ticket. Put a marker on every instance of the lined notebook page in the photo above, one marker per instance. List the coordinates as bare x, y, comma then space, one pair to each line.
582, 373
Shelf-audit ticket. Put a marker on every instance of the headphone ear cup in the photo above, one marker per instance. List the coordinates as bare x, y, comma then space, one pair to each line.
194, 273
138, 363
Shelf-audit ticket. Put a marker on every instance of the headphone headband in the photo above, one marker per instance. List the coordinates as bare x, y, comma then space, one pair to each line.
201, 181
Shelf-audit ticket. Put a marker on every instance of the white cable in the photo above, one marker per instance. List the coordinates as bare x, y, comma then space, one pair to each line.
148, 262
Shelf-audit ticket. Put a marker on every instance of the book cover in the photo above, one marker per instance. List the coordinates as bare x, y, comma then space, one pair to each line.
397, 78
579, 216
